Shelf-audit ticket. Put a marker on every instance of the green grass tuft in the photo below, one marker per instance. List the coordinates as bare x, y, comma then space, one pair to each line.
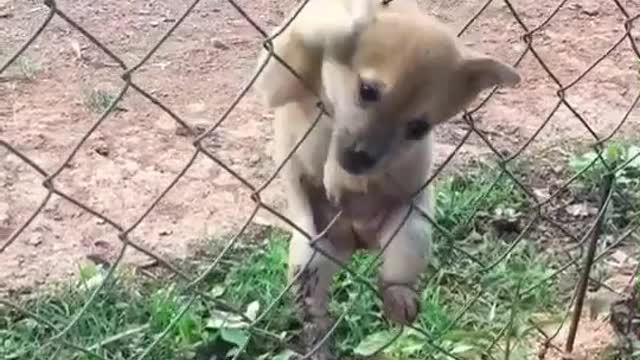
28, 67
99, 100
623, 161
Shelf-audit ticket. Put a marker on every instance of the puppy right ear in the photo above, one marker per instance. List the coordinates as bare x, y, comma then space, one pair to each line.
484, 72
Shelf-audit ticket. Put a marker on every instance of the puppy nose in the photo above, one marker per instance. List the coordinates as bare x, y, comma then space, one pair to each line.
357, 161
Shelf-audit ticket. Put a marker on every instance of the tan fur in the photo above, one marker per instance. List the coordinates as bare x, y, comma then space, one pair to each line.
421, 75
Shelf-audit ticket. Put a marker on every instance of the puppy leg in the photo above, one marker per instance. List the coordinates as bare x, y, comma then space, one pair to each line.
311, 269
404, 259
309, 209
311, 290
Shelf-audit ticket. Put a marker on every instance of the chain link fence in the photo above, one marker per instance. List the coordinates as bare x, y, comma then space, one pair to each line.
588, 250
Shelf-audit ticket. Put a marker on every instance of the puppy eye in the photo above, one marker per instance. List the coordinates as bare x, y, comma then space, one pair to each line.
416, 129
369, 92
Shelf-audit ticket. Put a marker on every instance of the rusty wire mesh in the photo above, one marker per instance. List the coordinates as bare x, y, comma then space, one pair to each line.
585, 245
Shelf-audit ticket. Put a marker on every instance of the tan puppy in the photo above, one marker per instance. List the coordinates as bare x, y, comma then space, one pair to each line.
387, 75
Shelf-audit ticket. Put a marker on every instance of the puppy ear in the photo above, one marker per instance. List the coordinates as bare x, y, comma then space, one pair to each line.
354, 17
276, 83
480, 72
473, 74
320, 28
362, 13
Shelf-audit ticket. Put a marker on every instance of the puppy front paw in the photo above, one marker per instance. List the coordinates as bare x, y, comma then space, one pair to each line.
338, 182
400, 303
332, 186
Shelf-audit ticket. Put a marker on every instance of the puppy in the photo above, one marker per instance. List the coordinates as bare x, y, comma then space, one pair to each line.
386, 74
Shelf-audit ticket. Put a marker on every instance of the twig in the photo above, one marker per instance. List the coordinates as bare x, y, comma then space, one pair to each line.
118, 337
588, 262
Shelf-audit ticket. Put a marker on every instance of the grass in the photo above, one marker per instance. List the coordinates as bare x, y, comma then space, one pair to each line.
25, 67
623, 161
28, 67
99, 100
480, 288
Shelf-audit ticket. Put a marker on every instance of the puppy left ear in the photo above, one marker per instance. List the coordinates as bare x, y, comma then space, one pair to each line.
362, 13
481, 72
356, 15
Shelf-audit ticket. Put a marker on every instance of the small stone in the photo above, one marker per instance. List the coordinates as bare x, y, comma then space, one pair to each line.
541, 194
165, 232
254, 159
101, 244
581, 210
200, 129
36, 240
218, 44
591, 12
102, 149
182, 131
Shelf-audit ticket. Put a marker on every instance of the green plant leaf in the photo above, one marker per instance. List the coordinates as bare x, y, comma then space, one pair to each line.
88, 271
234, 336
284, 355
373, 343
462, 349
578, 163
614, 152
633, 154
221, 319
217, 291
252, 310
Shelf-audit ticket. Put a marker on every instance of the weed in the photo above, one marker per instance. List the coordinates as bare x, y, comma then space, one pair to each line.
621, 160
25, 68
475, 196
28, 68
99, 100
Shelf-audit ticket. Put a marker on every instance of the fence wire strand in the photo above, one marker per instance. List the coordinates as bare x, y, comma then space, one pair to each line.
193, 290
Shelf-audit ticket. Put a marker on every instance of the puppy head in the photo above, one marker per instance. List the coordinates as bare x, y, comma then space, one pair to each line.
393, 79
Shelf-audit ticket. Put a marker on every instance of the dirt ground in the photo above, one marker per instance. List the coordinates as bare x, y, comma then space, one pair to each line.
138, 151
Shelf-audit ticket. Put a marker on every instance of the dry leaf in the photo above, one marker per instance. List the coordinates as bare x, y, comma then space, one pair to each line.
581, 210
75, 45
